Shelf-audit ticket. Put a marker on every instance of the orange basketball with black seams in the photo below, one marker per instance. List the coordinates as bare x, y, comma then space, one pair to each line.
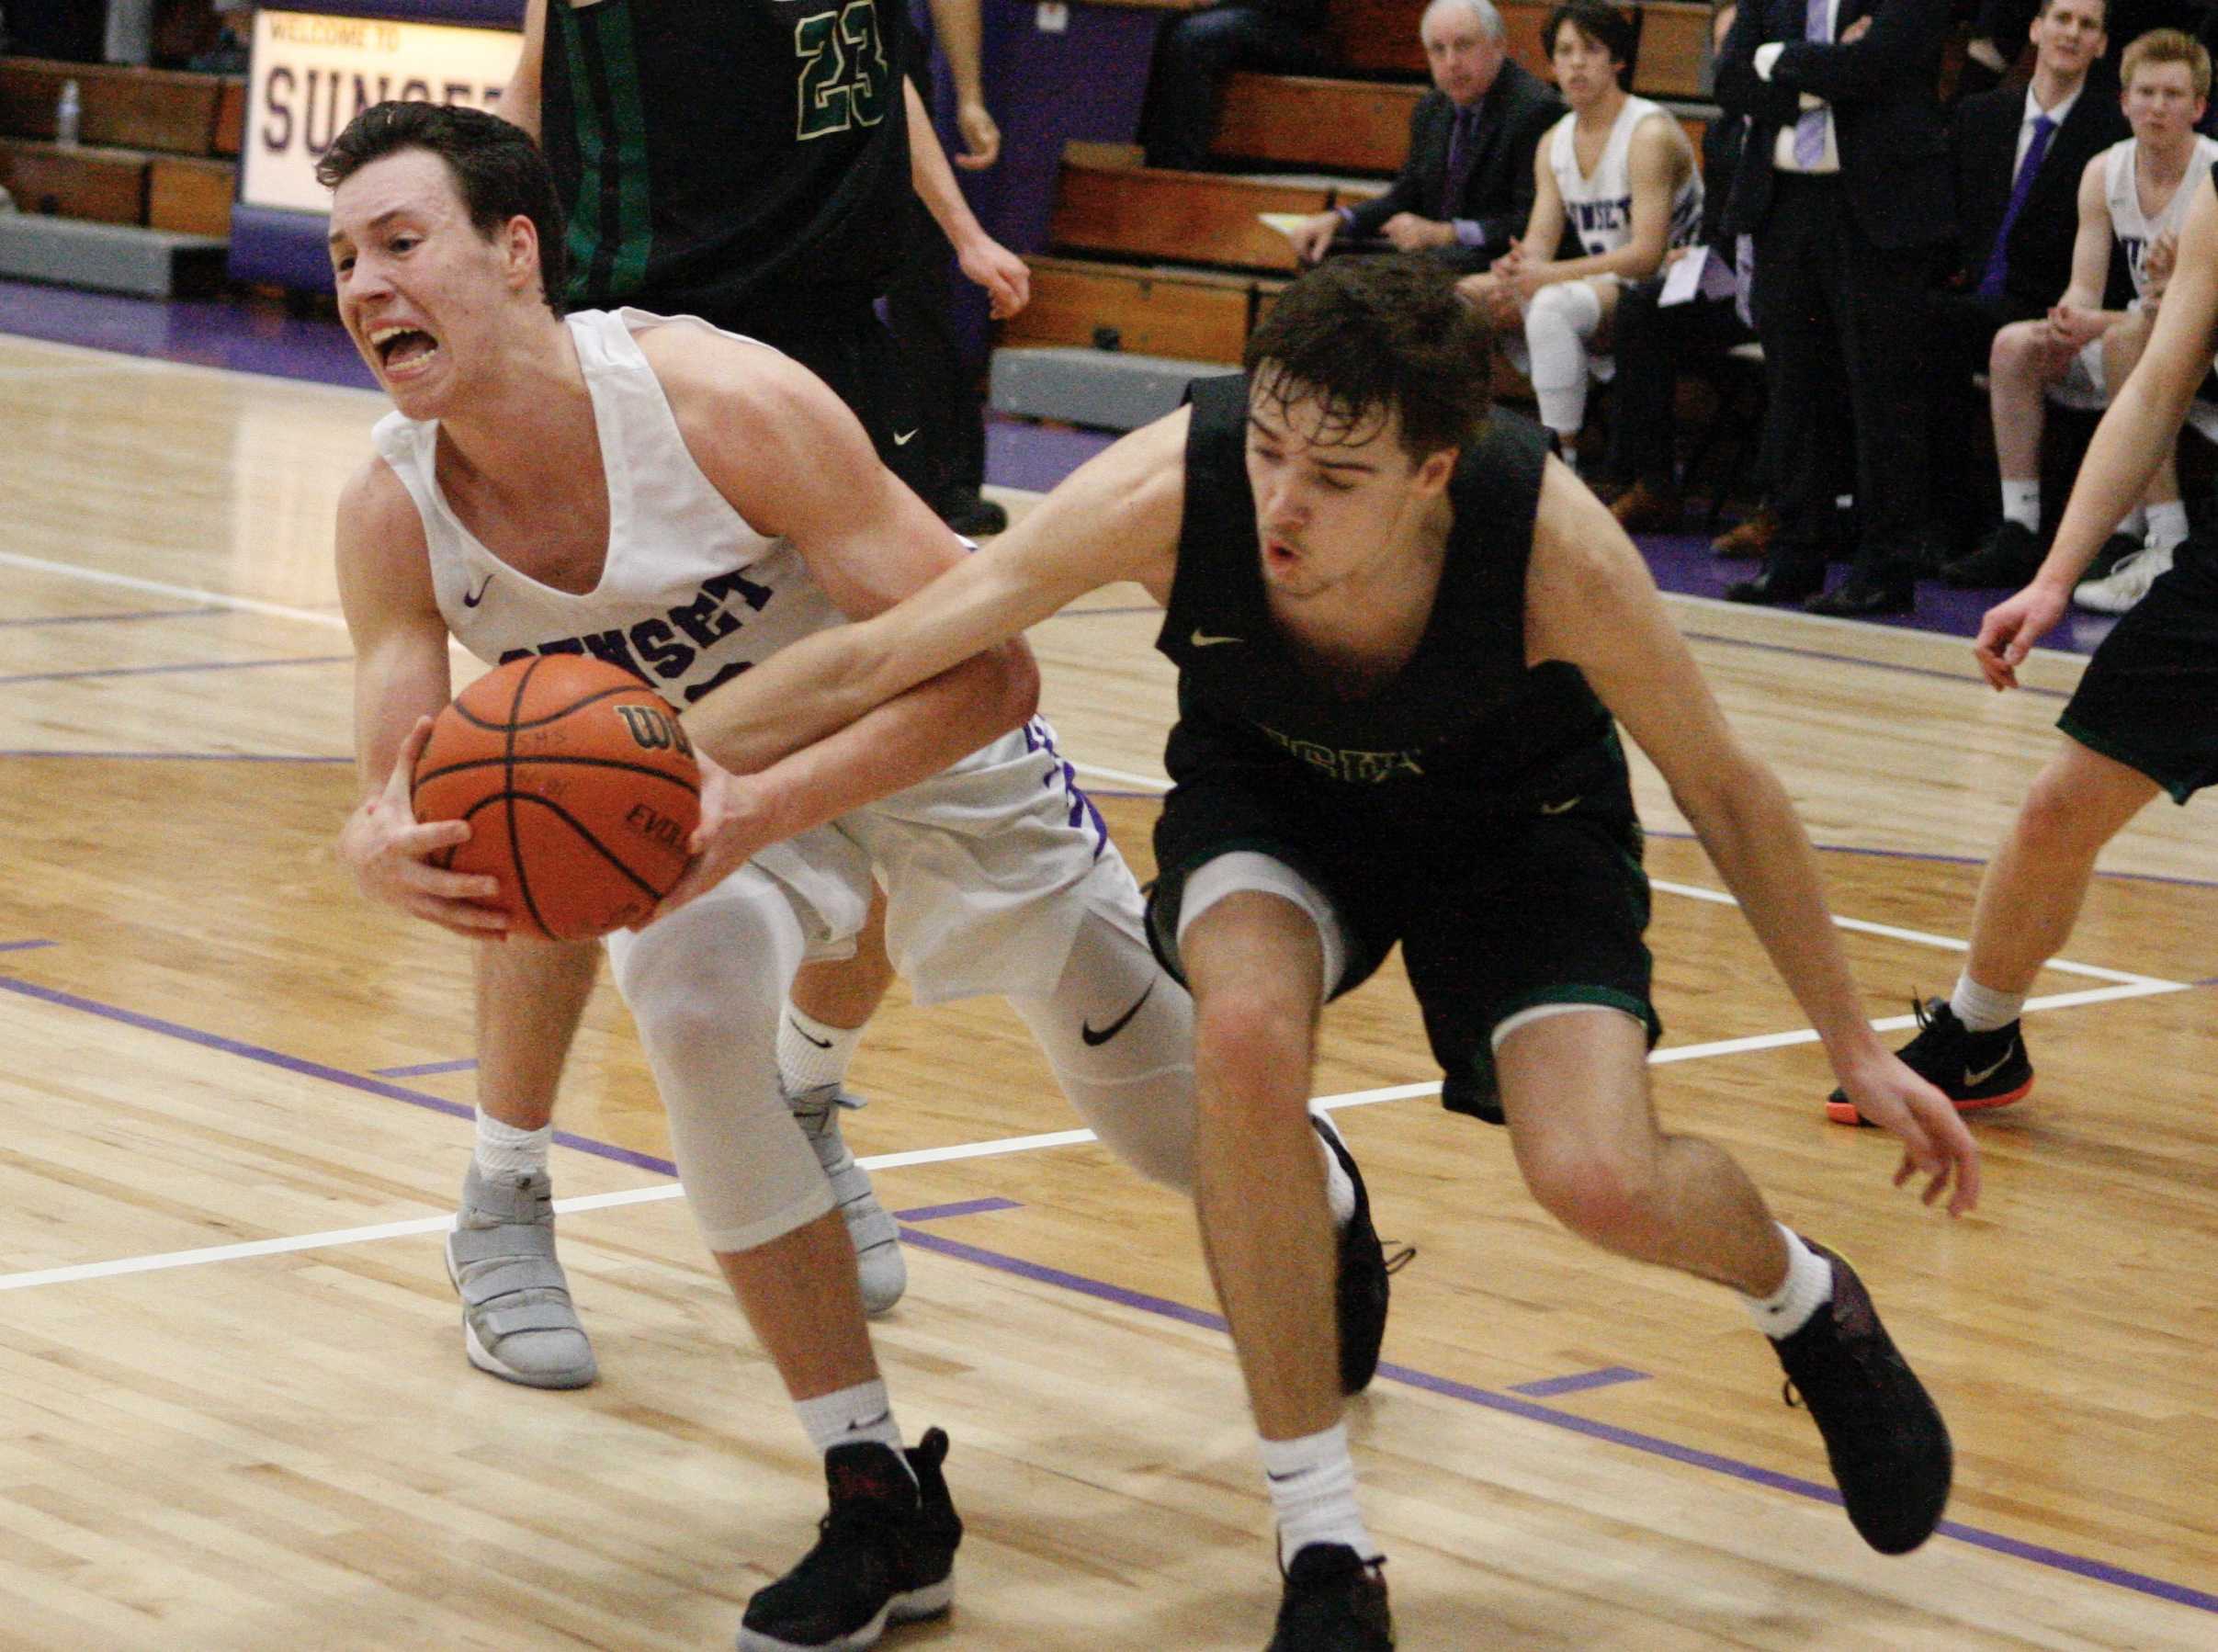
580, 787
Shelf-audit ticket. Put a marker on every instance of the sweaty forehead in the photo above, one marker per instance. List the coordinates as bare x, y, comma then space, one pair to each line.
1303, 417
410, 180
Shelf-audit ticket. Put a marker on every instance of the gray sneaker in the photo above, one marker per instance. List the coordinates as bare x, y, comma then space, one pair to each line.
879, 1266
518, 1319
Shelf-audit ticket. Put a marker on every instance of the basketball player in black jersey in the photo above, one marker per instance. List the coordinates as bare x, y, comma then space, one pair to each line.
1403, 631
2142, 720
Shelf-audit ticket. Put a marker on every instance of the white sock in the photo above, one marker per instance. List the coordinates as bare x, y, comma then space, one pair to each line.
2134, 524
812, 1053
1808, 1288
1339, 1187
1982, 1009
856, 1416
2021, 504
2167, 524
504, 1151
1312, 1485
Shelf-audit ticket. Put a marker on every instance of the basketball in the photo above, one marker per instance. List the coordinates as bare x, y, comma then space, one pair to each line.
580, 787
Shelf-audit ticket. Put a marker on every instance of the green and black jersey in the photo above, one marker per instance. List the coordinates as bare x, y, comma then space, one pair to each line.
710, 153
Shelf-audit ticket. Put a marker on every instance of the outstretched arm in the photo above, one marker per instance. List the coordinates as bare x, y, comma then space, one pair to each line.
1591, 602
1115, 518
519, 103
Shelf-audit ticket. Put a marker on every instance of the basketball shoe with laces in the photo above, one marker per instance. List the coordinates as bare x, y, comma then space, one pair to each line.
1975, 1070
879, 1265
1883, 1435
1334, 1602
1360, 1285
884, 1554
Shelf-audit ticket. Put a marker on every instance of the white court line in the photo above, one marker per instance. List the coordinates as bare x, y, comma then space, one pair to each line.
244, 605
972, 1149
1947, 943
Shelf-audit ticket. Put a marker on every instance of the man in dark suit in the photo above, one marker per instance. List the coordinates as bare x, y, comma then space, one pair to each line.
1468, 184
1845, 188
2017, 154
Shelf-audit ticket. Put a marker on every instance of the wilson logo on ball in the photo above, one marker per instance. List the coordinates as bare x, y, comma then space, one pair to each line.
654, 731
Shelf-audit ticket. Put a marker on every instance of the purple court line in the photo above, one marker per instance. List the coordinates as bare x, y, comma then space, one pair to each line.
428, 1070
961, 1207
25, 945
1609, 1376
2057, 1559
313, 1069
2094, 1570
152, 670
37, 619
1913, 670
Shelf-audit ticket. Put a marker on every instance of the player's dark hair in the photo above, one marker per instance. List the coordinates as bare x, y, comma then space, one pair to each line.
1374, 336
1600, 22
497, 167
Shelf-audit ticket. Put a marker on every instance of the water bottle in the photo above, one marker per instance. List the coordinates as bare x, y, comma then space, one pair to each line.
67, 108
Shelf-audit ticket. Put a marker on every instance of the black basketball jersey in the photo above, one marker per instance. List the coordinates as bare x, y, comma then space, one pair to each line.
1466, 710
710, 152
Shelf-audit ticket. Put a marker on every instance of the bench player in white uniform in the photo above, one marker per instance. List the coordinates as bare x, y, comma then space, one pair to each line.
2134, 197
1619, 172
687, 502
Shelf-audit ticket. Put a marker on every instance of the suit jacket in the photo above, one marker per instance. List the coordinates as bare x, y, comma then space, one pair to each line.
1983, 144
1513, 115
1887, 112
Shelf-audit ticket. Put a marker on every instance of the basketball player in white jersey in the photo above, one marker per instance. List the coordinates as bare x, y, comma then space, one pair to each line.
688, 503
2133, 196
1619, 172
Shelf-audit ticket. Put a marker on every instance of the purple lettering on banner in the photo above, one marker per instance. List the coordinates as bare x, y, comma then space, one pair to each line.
278, 132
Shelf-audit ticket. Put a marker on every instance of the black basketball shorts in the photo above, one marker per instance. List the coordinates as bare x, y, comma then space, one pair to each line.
1501, 903
2149, 696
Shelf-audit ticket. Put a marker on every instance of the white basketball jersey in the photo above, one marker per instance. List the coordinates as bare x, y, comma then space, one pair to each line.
1599, 205
2130, 227
690, 594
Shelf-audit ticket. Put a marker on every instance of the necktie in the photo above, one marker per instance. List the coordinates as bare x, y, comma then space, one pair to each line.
1460, 148
1999, 255
1810, 131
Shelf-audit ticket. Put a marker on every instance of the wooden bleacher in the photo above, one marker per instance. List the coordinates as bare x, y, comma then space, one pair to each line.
156, 148
1176, 264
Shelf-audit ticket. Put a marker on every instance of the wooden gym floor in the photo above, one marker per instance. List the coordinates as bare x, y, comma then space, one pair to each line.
234, 1410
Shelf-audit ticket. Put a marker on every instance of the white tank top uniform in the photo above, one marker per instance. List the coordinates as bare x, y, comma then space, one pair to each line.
2134, 233
1599, 205
690, 595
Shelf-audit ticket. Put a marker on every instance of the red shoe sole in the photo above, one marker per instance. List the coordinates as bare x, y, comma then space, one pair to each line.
1844, 1112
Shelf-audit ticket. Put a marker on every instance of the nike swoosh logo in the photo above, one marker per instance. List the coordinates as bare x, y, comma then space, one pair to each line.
901, 439
1202, 640
883, 1417
1092, 1038
820, 1043
1971, 1078
1566, 807
470, 599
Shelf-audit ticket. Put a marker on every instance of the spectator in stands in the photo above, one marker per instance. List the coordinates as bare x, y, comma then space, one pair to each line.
1466, 187
2135, 197
1194, 53
2018, 156
1653, 341
1845, 188
1618, 174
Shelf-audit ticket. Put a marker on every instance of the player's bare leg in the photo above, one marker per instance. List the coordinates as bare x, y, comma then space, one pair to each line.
518, 1321
1574, 1092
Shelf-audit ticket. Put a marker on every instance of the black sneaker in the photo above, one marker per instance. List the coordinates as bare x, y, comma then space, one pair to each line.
1975, 1070
1334, 1602
1883, 1435
2008, 556
885, 1555
1360, 1287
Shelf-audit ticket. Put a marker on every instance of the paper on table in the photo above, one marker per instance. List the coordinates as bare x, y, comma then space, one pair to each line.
1285, 223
